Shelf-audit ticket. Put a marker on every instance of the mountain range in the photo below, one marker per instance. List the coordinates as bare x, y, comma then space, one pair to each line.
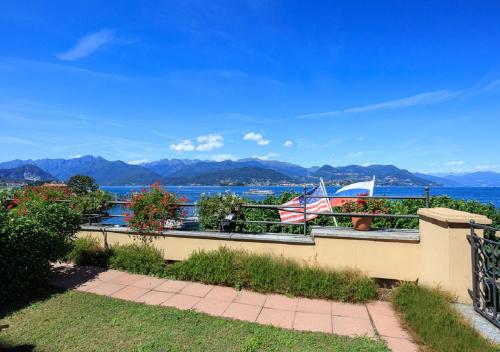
249, 171
25, 173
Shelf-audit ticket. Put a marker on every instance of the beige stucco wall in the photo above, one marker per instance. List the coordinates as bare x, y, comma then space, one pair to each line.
379, 259
441, 258
445, 251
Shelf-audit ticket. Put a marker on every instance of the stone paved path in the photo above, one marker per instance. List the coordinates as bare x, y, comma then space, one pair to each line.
376, 319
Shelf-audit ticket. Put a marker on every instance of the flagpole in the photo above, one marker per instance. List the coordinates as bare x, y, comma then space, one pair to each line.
373, 186
322, 184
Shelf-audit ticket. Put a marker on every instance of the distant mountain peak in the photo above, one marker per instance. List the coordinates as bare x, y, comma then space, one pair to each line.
193, 170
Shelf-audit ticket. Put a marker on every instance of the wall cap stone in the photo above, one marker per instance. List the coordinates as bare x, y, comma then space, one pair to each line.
453, 216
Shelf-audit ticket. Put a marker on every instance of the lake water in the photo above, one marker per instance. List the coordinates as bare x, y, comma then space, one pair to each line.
481, 194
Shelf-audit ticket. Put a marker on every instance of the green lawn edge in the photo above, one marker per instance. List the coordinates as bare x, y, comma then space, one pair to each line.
435, 323
76, 321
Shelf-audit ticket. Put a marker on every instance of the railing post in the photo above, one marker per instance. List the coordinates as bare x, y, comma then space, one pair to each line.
305, 211
427, 197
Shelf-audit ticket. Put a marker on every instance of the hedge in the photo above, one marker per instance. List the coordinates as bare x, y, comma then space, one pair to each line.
261, 273
214, 208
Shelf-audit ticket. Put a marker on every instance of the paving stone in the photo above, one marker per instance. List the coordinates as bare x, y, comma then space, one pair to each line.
381, 308
171, 286
109, 274
389, 326
125, 279
196, 289
242, 311
313, 306
277, 310
349, 326
154, 297
281, 302
105, 288
349, 310
251, 298
87, 285
130, 293
211, 306
400, 345
276, 317
148, 282
222, 293
313, 322
180, 301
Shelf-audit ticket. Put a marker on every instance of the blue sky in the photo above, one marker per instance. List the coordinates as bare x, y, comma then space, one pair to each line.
410, 83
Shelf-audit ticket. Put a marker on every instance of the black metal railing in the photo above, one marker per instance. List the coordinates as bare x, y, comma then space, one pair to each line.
297, 209
485, 256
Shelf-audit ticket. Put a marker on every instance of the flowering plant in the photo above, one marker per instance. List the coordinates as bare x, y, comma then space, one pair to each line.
154, 210
45, 194
366, 206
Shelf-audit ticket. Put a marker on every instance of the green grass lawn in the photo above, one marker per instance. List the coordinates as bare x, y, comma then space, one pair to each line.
428, 313
75, 321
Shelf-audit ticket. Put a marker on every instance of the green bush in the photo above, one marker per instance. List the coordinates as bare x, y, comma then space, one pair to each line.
95, 202
428, 312
137, 258
213, 209
32, 235
88, 251
264, 273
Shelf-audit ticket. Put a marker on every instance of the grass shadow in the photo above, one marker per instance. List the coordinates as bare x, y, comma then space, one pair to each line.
18, 348
64, 278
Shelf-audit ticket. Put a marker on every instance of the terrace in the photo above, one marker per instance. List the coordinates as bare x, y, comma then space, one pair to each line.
316, 281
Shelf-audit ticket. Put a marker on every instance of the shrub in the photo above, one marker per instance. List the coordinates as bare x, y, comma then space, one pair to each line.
265, 273
40, 193
406, 206
32, 235
152, 209
428, 312
137, 258
88, 251
213, 209
95, 202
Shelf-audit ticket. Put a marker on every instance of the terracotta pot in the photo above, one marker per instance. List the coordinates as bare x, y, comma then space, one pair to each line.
361, 224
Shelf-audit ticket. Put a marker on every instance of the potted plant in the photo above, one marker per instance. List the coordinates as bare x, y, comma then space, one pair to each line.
364, 206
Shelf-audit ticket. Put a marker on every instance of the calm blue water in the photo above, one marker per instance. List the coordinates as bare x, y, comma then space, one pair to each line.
481, 194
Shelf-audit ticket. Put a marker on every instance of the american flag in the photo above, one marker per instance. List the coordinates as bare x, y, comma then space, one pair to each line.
315, 205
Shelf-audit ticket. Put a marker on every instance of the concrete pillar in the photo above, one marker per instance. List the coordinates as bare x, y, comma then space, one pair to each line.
445, 251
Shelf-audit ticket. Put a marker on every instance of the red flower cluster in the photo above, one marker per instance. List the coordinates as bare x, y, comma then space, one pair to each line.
38, 193
155, 210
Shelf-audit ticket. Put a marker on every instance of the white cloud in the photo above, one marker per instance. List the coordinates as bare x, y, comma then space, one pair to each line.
137, 162
205, 144
354, 154
76, 156
426, 98
184, 146
360, 139
222, 157
13, 140
87, 45
288, 144
209, 142
256, 137
265, 157
454, 163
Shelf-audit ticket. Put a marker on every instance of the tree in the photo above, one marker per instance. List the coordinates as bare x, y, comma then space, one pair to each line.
82, 184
